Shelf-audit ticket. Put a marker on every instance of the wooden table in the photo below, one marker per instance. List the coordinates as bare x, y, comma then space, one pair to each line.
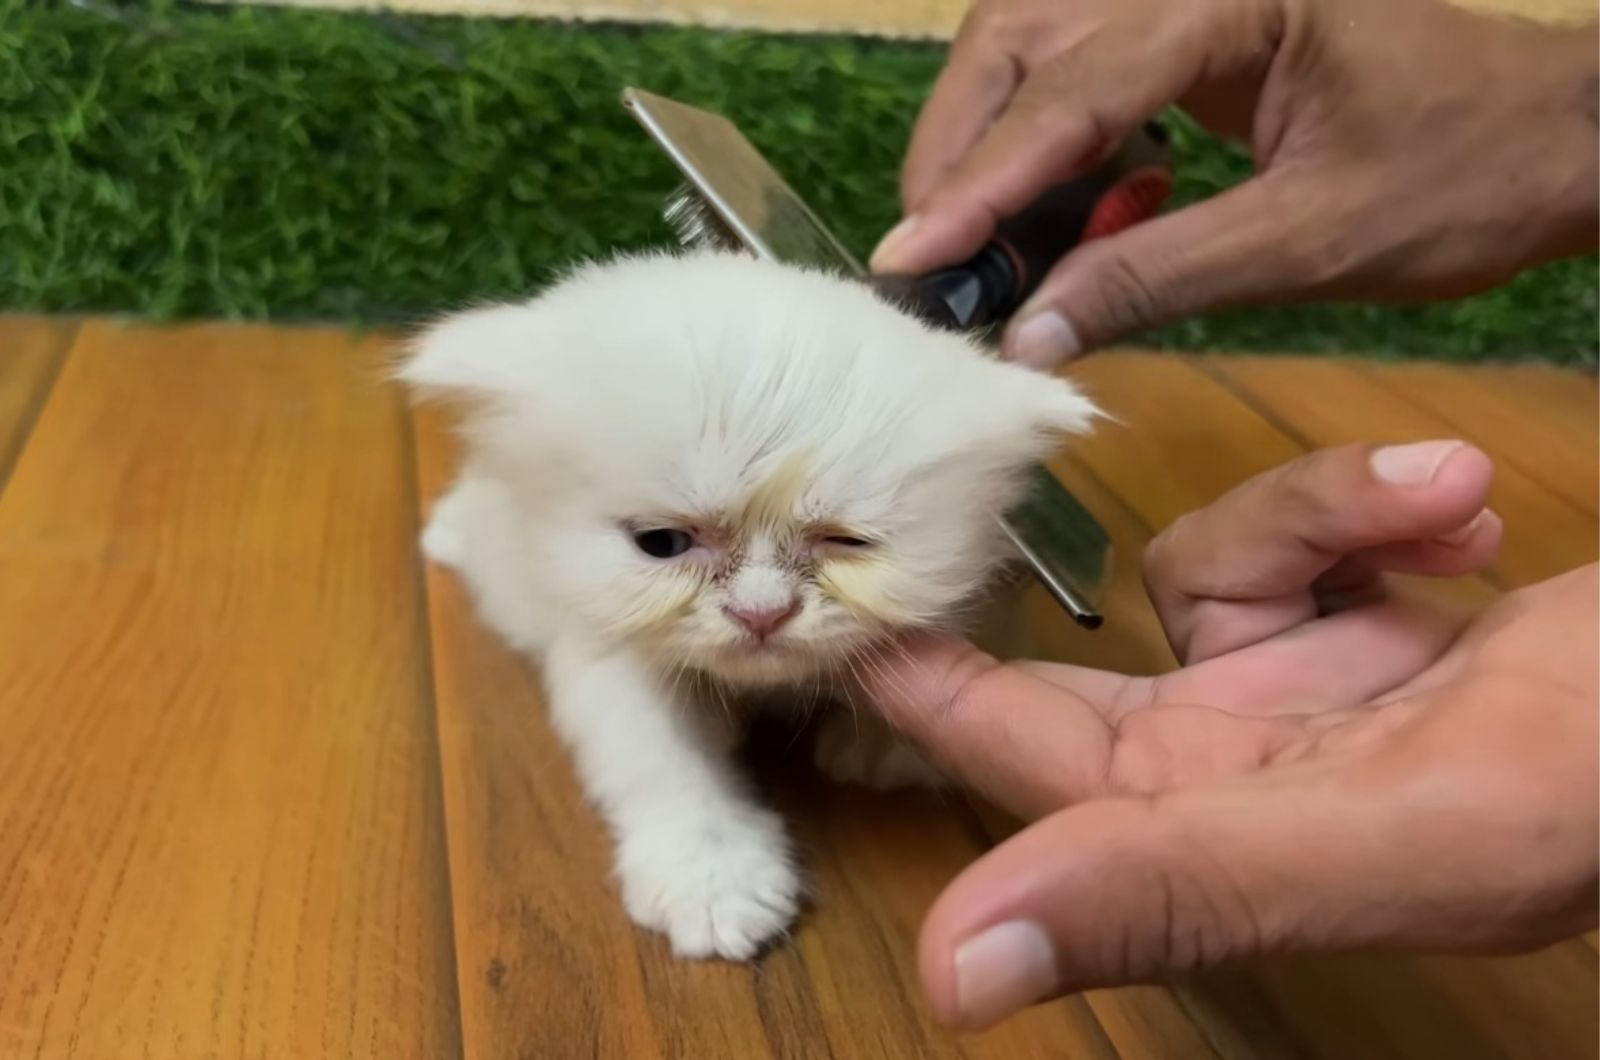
267, 791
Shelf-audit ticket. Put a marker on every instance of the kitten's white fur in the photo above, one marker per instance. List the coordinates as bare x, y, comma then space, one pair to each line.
763, 408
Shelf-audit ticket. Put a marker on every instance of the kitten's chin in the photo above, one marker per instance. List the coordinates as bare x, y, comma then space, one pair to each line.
776, 662
768, 664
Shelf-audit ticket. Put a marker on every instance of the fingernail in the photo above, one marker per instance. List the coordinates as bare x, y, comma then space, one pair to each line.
1461, 535
1002, 969
1411, 465
886, 256
1044, 340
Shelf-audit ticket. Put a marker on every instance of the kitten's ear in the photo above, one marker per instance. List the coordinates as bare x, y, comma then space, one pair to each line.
474, 354
997, 418
1057, 405
1031, 410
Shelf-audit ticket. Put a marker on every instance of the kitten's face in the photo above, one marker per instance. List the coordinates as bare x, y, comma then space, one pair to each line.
742, 468
760, 597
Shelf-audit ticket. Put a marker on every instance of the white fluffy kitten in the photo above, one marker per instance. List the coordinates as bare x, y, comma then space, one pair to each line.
691, 476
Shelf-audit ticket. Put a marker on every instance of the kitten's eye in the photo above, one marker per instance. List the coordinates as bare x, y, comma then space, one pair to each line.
663, 544
846, 541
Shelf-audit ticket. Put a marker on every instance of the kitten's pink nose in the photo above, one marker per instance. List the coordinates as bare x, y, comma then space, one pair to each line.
763, 621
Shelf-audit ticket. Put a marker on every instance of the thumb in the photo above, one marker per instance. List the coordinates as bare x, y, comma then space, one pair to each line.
1231, 249
1122, 891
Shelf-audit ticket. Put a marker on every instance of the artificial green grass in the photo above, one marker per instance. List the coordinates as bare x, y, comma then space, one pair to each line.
171, 161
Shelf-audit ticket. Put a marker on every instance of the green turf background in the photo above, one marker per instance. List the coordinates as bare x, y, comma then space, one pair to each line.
172, 161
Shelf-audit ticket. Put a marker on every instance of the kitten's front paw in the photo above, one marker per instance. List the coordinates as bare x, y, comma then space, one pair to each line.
859, 748
715, 889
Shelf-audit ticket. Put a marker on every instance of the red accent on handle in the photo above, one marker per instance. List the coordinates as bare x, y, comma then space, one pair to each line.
1135, 198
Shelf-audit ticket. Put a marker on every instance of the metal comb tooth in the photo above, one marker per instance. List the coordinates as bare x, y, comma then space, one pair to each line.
694, 222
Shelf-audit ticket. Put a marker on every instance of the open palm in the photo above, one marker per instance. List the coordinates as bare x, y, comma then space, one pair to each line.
1336, 763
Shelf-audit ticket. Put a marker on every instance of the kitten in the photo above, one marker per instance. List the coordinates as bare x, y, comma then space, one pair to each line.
692, 477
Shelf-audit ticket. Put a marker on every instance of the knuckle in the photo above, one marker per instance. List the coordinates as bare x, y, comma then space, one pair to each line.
1302, 486
1162, 927
986, 20
1141, 762
965, 687
1163, 905
1012, 26
1123, 296
1159, 553
1204, 917
1167, 561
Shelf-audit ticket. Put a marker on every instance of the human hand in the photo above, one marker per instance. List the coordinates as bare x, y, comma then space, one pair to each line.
1404, 149
1334, 765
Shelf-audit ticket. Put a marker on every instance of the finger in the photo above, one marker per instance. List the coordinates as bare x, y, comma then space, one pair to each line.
1059, 123
1105, 690
1026, 743
1464, 550
978, 80
1025, 736
1128, 891
1309, 670
1242, 569
1444, 822
1231, 249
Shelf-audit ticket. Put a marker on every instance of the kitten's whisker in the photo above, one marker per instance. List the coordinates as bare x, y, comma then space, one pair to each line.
874, 659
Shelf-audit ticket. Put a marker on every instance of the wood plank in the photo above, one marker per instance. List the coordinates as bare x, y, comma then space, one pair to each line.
1573, 394
1544, 423
879, 861
1182, 440
219, 822
1533, 1006
31, 349
1178, 442
1333, 402
547, 965
550, 964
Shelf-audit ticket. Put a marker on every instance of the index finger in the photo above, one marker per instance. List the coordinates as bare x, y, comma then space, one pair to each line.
1035, 737
978, 79
1059, 122
1243, 568
1029, 744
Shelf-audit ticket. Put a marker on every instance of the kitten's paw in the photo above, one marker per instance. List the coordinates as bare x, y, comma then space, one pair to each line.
715, 889
856, 748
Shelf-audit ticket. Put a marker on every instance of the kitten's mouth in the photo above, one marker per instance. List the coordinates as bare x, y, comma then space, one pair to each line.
768, 652
759, 646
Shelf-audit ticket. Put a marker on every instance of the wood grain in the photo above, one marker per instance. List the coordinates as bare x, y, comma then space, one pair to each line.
219, 824
1178, 441
31, 350
1539, 420
1331, 402
249, 807
528, 867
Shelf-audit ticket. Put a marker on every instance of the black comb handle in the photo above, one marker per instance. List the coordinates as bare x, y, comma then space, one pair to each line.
987, 288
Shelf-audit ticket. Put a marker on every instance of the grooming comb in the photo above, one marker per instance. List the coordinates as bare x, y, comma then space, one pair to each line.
733, 198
